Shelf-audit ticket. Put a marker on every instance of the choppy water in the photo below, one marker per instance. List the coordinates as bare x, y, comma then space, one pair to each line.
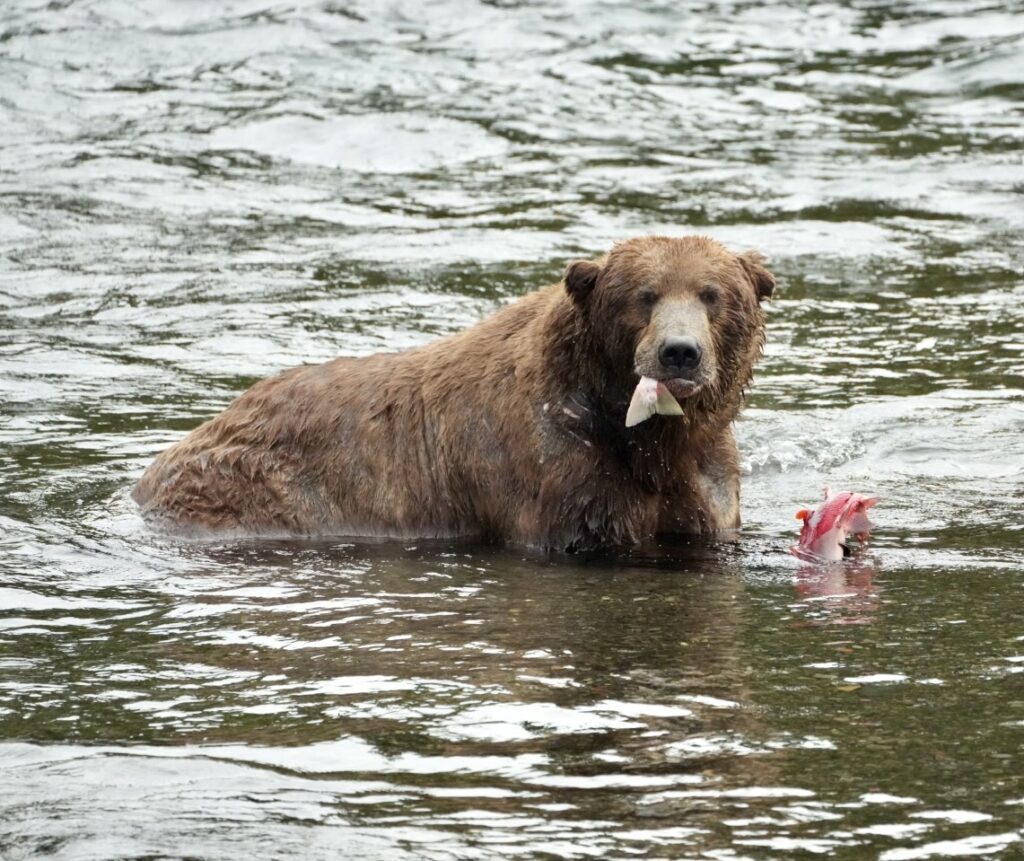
195, 195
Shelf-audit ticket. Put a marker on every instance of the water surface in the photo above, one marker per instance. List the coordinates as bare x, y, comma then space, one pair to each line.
193, 196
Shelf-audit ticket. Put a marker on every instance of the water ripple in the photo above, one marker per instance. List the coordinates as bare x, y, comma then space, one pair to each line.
195, 197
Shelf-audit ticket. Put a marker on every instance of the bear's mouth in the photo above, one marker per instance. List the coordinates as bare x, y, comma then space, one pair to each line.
680, 388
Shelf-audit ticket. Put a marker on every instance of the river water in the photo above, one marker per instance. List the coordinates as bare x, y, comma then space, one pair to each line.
196, 195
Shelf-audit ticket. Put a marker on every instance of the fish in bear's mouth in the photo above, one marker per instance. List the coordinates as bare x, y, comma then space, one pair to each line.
658, 397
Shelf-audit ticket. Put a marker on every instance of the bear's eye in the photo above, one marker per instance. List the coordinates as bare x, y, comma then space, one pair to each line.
710, 295
648, 297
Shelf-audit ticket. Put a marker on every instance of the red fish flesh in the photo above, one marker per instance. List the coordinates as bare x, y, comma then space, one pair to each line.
827, 527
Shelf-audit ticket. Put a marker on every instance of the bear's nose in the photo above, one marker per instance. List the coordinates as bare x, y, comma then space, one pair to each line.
680, 353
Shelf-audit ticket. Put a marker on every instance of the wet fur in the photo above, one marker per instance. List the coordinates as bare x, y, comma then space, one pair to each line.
512, 430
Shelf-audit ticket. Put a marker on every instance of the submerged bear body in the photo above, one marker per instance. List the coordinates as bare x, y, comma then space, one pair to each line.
510, 431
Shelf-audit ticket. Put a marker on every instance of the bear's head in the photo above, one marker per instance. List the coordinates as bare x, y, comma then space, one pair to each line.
683, 311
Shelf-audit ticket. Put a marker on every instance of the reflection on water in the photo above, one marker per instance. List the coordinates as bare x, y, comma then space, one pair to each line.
847, 592
194, 197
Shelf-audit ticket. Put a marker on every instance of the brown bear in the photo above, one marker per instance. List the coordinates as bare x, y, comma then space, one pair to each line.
510, 431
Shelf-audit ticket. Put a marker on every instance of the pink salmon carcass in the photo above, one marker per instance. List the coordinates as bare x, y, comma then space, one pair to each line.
826, 528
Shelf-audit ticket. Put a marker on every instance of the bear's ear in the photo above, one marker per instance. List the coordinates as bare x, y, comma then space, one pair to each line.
763, 280
580, 278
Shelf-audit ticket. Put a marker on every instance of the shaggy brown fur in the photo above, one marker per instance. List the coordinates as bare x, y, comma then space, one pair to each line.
512, 430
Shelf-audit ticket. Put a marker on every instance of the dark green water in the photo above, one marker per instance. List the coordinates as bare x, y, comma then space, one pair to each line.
195, 195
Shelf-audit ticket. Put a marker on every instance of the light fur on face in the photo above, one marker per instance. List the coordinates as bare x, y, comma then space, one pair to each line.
686, 317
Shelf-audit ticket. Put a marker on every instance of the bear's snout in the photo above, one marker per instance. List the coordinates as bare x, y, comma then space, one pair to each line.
680, 354
677, 344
